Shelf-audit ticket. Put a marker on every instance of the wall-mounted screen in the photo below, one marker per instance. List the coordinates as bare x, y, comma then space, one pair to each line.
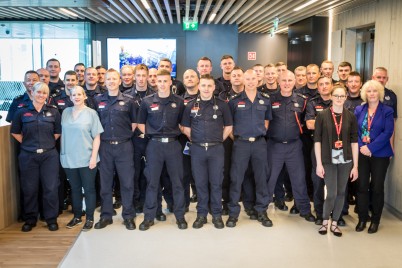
135, 51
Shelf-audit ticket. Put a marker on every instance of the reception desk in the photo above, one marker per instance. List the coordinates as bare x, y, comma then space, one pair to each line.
9, 193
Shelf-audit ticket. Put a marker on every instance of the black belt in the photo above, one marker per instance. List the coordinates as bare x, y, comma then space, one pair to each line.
117, 142
207, 144
281, 141
38, 151
164, 140
249, 139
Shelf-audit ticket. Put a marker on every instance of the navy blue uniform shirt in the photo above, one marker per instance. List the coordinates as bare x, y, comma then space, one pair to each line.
61, 100
116, 115
92, 94
226, 83
19, 102
53, 86
37, 128
287, 113
207, 119
249, 117
264, 89
227, 95
161, 116
316, 105
309, 93
391, 100
352, 102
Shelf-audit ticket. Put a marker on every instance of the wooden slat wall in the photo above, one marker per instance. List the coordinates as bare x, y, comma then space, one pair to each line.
8, 180
387, 17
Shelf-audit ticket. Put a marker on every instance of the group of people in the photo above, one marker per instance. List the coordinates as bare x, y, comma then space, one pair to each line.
258, 136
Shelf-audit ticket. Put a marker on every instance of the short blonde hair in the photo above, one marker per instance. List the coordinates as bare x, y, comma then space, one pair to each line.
372, 84
42, 86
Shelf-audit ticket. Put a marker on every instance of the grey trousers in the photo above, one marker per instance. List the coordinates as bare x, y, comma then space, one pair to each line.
336, 177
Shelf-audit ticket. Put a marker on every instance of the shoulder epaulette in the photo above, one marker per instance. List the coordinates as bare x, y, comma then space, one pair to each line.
234, 96
301, 95
51, 105
265, 95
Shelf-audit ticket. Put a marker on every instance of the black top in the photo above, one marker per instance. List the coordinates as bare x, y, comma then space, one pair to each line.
391, 100
188, 97
249, 117
161, 116
177, 87
227, 94
19, 102
207, 119
286, 117
324, 125
61, 100
116, 115
226, 83
306, 91
314, 106
37, 128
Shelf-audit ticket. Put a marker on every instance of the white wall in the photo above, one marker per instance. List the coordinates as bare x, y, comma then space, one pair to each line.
387, 17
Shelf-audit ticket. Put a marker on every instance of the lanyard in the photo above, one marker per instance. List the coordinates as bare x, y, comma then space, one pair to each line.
337, 127
370, 119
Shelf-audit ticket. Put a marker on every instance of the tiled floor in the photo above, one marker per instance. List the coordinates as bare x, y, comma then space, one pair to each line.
291, 242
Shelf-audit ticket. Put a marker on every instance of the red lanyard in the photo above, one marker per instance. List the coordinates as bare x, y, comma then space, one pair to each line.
337, 127
370, 119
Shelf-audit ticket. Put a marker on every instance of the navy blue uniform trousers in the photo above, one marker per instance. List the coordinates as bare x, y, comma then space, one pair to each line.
243, 152
207, 164
117, 157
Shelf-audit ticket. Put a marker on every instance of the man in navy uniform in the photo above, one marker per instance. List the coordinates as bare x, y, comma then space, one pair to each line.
92, 89
251, 112
177, 86
227, 65
117, 113
207, 122
284, 144
314, 106
204, 66
53, 66
159, 118
24, 100
271, 80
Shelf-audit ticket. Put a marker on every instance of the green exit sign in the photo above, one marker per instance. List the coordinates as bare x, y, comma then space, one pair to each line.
190, 25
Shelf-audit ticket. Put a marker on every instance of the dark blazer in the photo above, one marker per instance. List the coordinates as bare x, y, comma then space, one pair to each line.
381, 131
324, 125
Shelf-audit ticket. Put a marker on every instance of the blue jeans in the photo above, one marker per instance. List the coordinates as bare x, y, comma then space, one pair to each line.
82, 178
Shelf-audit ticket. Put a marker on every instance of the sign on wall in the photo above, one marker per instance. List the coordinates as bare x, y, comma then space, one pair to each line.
251, 55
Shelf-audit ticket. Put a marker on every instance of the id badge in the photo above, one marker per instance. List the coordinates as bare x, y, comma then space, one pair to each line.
338, 145
366, 139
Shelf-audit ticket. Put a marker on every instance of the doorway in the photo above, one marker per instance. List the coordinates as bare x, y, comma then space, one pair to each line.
365, 52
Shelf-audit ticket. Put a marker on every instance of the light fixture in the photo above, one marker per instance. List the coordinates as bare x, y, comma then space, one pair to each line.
212, 17
305, 5
68, 12
282, 30
145, 3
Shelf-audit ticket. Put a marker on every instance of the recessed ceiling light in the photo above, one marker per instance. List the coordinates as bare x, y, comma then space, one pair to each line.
68, 12
305, 5
212, 17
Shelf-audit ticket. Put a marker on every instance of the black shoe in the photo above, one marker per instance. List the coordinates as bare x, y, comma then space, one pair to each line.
225, 209
361, 225
263, 218
74, 222
129, 223
294, 210
289, 197
253, 214
335, 230
199, 222
146, 224
102, 223
160, 216
88, 225
323, 229
373, 228
341, 222
193, 198
181, 223
231, 222
281, 205
308, 217
117, 204
27, 227
170, 208
218, 223
53, 227
318, 220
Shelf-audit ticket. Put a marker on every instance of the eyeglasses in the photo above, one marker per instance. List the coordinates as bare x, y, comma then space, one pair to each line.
339, 96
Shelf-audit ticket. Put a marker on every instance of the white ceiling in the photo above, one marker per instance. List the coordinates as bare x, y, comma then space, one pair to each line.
251, 16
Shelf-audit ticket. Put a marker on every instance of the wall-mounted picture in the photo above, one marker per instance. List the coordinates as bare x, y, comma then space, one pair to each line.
122, 51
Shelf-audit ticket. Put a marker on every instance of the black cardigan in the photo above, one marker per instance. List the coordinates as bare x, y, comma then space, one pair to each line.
324, 125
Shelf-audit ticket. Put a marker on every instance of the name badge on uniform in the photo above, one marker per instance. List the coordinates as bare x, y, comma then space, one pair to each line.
102, 105
319, 108
261, 101
154, 107
241, 104
28, 114
60, 102
121, 103
276, 105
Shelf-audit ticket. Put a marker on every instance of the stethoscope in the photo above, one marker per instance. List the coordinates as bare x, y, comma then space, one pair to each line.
196, 107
